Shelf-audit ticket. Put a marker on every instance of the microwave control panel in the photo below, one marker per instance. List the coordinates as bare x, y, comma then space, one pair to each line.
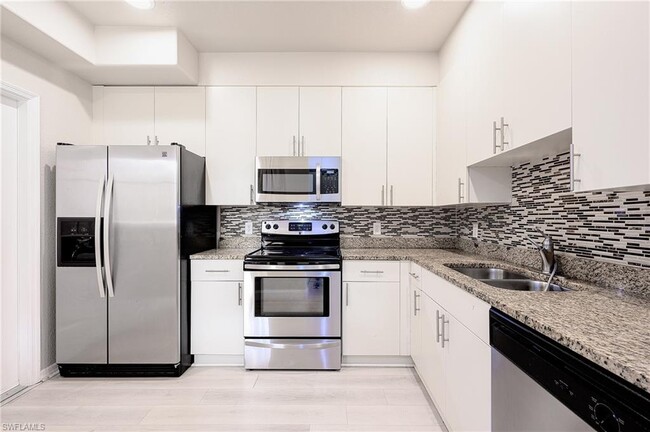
329, 181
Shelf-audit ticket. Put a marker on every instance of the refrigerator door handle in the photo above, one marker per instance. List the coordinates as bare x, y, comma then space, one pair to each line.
98, 236
108, 201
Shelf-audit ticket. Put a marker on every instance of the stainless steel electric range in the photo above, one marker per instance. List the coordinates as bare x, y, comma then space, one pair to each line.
292, 297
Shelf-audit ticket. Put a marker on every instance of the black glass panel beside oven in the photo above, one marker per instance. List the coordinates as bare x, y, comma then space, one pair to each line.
292, 297
76, 242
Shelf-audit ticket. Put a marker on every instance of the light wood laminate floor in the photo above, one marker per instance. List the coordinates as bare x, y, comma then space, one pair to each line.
232, 399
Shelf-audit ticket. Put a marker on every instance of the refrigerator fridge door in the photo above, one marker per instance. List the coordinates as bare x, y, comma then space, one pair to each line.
143, 244
81, 306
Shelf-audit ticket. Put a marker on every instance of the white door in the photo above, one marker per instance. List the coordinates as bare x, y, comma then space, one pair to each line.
411, 132
537, 59
432, 354
217, 318
129, 116
451, 172
364, 146
416, 326
611, 112
230, 145
485, 77
320, 121
371, 318
277, 121
180, 117
468, 379
9, 241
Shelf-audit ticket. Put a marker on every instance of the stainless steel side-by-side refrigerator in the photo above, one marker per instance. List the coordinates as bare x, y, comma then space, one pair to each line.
128, 217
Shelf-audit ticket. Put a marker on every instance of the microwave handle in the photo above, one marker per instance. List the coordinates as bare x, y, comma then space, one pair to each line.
318, 182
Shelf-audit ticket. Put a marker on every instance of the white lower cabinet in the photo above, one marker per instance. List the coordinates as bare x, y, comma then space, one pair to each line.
452, 360
217, 316
371, 318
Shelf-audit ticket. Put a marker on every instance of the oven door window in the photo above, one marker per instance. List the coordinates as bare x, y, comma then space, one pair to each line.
292, 297
287, 181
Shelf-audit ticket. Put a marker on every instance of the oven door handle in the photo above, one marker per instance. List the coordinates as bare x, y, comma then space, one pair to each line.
318, 180
297, 346
292, 267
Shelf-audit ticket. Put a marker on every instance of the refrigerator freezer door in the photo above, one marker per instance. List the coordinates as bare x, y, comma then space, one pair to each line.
81, 311
144, 314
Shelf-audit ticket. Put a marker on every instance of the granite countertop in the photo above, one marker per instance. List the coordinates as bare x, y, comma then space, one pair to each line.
609, 327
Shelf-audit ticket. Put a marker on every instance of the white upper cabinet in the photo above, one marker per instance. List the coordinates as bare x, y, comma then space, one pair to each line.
364, 146
128, 116
230, 145
611, 116
537, 69
320, 121
277, 121
451, 165
180, 117
411, 132
484, 78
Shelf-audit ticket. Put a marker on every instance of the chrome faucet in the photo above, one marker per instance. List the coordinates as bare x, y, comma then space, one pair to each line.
546, 251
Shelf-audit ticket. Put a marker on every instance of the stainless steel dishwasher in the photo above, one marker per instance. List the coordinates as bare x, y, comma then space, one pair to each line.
539, 385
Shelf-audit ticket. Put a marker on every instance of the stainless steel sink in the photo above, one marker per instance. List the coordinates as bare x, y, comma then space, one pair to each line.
523, 285
483, 273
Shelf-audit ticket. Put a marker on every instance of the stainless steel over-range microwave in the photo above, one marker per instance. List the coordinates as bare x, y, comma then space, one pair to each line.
298, 179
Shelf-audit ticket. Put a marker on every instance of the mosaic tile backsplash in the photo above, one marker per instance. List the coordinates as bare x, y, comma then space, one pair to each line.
606, 226
354, 221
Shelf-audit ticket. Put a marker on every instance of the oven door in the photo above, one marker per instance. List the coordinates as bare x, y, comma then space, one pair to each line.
292, 303
298, 179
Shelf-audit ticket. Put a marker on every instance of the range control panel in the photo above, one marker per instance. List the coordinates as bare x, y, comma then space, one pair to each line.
317, 227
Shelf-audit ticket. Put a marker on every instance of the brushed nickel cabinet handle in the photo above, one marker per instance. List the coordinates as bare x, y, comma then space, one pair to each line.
572, 167
415, 303
347, 294
372, 271
383, 193
239, 293
391, 194
251, 195
504, 143
302, 141
461, 185
217, 271
437, 326
148, 140
444, 339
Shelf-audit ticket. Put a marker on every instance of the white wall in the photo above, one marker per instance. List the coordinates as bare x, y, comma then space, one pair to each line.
319, 69
66, 116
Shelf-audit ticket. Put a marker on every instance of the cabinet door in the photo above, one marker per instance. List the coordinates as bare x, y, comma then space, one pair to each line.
364, 146
485, 77
230, 149
432, 370
537, 72
468, 379
416, 326
611, 115
129, 115
411, 118
217, 325
451, 161
320, 121
180, 117
277, 121
371, 318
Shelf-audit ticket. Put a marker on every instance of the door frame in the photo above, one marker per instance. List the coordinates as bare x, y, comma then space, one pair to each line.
29, 232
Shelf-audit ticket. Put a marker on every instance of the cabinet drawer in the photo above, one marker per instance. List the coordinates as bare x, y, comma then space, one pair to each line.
364, 271
415, 275
217, 270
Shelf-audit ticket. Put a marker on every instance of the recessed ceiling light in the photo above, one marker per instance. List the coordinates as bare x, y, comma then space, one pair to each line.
414, 4
141, 4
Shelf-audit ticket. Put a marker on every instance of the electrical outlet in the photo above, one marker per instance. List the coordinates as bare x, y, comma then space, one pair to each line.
475, 230
248, 228
376, 228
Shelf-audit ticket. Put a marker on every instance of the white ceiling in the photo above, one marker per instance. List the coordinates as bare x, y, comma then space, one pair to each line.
269, 25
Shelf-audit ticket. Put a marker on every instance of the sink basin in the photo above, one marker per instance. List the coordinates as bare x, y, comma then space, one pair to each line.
488, 273
523, 285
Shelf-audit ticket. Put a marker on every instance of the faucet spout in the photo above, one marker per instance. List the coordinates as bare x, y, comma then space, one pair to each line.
546, 252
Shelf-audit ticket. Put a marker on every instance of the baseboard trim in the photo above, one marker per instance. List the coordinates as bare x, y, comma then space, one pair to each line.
218, 360
49, 372
383, 361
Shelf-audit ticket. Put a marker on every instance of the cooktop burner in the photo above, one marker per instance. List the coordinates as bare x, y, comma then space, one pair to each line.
303, 242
